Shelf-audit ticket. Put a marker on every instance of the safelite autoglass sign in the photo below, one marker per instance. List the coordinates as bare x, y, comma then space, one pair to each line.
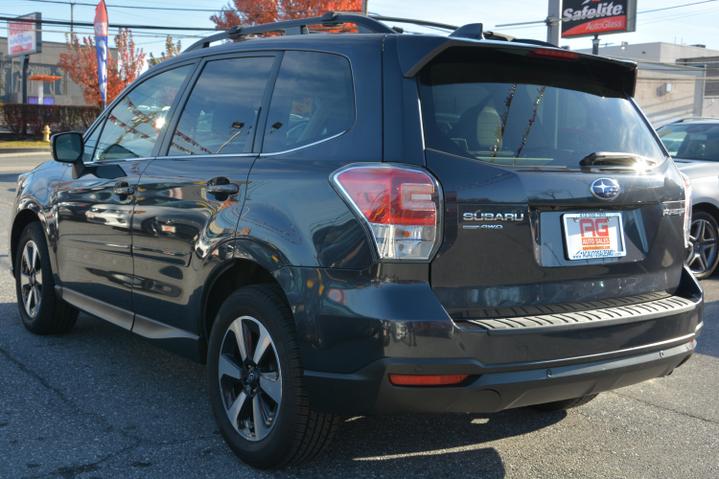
24, 35
593, 17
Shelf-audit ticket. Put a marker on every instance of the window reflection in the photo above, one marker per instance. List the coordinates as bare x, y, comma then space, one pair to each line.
221, 113
134, 124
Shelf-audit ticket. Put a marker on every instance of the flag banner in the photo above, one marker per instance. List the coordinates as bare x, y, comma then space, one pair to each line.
101, 48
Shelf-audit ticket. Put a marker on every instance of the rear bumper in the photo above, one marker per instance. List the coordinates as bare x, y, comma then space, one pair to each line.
369, 391
353, 338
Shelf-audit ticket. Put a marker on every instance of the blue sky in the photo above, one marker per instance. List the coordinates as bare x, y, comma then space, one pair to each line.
690, 25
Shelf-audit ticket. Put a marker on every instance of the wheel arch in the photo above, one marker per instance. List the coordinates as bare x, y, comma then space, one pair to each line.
710, 208
227, 278
20, 222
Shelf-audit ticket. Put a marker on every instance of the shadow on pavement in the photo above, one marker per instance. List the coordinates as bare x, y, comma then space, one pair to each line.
415, 443
144, 395
9, 177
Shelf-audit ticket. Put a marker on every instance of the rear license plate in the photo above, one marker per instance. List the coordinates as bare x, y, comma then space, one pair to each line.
593, 235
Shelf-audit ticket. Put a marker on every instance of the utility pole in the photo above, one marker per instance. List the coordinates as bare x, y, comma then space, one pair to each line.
25, 62
595, 45
554, 21
364, 7
72, 16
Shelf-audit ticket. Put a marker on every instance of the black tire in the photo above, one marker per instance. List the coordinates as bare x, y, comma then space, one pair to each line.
703, 256
297, 433
564, 405
50, 315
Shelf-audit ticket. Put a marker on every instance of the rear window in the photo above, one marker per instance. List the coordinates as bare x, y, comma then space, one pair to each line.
692, 142
523, 112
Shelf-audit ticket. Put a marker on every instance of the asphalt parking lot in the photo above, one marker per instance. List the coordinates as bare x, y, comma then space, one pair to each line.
100, 402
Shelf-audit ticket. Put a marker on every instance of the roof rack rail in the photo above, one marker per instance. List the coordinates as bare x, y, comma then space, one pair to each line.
299, 26
367, 24
422, 23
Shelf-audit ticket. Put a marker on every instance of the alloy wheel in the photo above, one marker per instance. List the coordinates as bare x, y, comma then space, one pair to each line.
704, 248
31, 279
250, 378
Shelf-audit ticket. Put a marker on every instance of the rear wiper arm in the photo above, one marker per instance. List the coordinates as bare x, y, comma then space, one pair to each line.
616, 160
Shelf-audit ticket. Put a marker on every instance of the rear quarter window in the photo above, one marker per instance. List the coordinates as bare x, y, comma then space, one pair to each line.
313, 100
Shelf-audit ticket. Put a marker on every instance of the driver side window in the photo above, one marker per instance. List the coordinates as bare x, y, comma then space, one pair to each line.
135, 123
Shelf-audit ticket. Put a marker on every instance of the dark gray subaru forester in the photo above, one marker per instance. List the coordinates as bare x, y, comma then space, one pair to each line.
371, 222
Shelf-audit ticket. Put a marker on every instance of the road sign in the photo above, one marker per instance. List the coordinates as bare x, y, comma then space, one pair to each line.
24, 35
582, 18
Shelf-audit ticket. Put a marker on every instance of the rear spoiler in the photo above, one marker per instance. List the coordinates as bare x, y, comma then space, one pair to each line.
416, 52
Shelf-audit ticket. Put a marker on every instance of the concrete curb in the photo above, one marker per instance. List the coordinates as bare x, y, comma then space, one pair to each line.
20, 153
24, 150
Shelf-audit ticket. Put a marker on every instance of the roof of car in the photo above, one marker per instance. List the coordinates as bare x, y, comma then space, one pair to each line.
340, 41
415, 51
297, 34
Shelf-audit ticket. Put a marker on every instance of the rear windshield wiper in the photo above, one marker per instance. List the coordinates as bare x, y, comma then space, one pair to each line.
616, 160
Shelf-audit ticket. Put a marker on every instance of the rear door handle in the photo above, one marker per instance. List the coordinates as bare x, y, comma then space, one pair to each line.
222, 188
123, 189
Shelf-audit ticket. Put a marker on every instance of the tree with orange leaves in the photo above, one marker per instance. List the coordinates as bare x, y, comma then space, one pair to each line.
251, 12
80, 63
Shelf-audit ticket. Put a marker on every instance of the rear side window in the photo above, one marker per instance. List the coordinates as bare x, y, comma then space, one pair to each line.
135, 123
525, 113
221, 113
313, 100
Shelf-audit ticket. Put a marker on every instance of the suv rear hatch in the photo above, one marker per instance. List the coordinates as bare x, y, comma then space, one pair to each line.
538, 217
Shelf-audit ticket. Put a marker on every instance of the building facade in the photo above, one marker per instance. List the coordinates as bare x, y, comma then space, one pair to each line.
674, 81
59, 92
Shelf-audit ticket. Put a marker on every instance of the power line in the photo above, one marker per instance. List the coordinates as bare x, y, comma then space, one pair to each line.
131, 7
89, 30
543, 22
116, 25
158, 36
672, 7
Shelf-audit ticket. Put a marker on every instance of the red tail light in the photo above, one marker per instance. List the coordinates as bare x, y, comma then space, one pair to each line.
426, 379
554, 53
400, 204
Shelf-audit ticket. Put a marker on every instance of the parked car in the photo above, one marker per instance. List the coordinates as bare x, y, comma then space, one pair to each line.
367, 223
694, 145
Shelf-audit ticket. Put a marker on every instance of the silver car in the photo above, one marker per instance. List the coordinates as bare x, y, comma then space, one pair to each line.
694, 145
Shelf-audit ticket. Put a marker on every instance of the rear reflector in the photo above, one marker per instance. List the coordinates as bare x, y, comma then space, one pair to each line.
426, 380
401, 206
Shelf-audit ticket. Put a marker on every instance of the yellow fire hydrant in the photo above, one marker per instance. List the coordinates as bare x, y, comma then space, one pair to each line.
46, 133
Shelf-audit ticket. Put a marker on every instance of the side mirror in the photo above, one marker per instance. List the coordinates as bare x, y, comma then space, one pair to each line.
67, 147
